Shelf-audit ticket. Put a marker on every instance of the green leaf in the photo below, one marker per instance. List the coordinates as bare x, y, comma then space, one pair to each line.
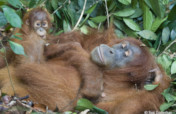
99, 19
157, 22
33, 3
131, 24
173, 34
16, 37
12, 17
124, 28
138, 12
165, 106
99, 111
66, 26
165, 2
119, 33
84, 29
165, 35
91, 9
17, 48
168, 97
15, 3
150, 87
3, 20
158, 8
2, 50
147, 17
173, 68
147, 34
172, 15
68, 112
125, 2
83, 104
54, 4
92, 24
125, 12
165, 61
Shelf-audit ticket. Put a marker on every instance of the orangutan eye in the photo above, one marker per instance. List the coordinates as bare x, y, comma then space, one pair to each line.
45, 24
110, 52
37, 24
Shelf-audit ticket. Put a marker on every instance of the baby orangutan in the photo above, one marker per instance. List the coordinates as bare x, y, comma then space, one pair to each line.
36, 24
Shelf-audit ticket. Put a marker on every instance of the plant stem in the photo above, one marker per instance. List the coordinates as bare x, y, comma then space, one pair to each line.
167, 47
60, 7
11, 82
107, 14
84, 7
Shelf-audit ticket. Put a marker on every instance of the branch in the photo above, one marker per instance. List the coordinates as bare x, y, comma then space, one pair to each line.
84, 7
167, 47
107, 13
60, 7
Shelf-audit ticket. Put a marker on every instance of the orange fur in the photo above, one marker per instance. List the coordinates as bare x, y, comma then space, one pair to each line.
58, 81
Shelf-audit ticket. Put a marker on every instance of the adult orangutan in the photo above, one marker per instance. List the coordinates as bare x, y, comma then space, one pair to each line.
126, 66
36, 24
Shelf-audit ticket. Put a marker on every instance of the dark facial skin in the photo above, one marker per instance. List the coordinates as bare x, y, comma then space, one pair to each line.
39, 21
119, 55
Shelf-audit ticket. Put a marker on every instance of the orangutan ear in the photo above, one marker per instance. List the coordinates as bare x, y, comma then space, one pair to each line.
27, 22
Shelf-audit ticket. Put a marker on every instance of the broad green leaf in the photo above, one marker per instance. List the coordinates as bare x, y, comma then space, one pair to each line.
99, 111
150, 87
17, 48
68, 112
18, 34
99, 19
165, 106
92, 24
83, 104
3, 2
33, 3
173, 68
165, 61
54, 4
172, 15
168, 97
147, 18
124, 28
16, 37
66, 26
3, 20
12, 17
138, 12
125, 2
173, 34
165, 35
153, 50
148, 3
84, 29
15, 3
165, 2
118, 33
157, 22
158, 8
2, 50
91, 9
131, 24
147, 34
125, 12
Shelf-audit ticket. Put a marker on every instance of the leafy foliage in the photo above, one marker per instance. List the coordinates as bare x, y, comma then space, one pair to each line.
152, 21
